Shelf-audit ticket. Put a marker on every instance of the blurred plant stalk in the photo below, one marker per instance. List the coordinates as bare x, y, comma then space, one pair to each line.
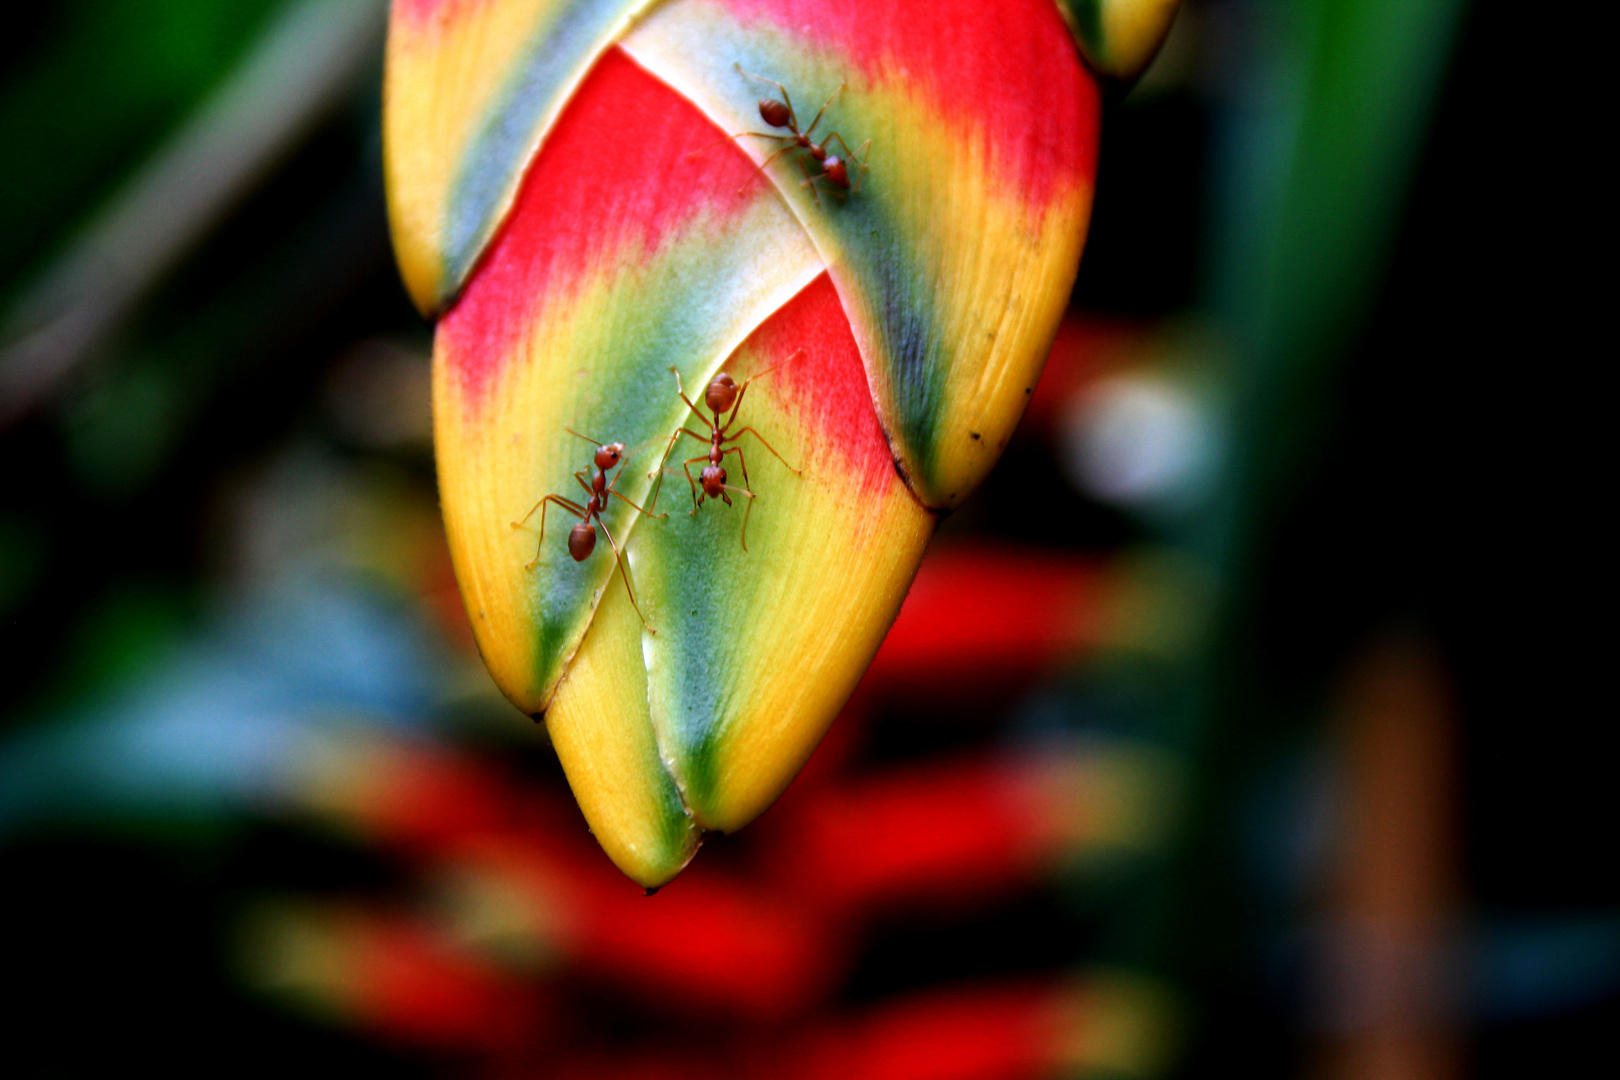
310, 58
1389, 997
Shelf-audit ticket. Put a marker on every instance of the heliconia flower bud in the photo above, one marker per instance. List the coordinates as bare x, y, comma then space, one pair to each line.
1120, 37
861, 213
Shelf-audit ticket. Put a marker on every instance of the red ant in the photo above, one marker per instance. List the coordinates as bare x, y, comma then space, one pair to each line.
582, 537
779, 114
721, 396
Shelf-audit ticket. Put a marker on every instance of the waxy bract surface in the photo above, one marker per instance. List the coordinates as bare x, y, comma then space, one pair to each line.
471, 88
955, 260
895, 332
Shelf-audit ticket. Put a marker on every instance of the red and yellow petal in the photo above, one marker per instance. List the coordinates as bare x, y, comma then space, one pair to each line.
471, 89
955, 259
758, 649
601, 727
590, 295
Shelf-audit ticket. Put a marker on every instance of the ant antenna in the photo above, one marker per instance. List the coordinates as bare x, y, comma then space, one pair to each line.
824, 107
779, 364
587, 438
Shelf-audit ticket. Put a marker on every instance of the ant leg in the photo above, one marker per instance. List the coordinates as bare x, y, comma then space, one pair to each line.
747, 483
865, 147
767, 161
758, 135
743, 391
785, 99
658, 470
746, 489
560, 501
518, 524
575, 507
831, 135
810, 181
624, 571
668, 449
824, 106
741, 134
633, 506
747, 511
681, 391
539, 543
686, 467
580, 476
766, 445
612, 489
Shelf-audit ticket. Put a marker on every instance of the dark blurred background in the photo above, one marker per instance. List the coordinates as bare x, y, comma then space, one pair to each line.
1248, 719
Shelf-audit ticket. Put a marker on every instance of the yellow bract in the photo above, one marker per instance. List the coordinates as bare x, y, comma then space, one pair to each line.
499, 455
784, 630
470, 89
1002, 277
439, 84
603, 735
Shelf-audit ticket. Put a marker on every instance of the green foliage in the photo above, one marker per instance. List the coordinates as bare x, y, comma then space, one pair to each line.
95, 84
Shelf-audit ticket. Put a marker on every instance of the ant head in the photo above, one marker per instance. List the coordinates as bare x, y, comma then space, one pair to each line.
775, 113
608, 456
721, 393
836, 170
714, 479
581, 541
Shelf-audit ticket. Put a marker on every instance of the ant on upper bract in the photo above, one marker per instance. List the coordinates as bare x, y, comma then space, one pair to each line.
722, 395
582, 537
779, 114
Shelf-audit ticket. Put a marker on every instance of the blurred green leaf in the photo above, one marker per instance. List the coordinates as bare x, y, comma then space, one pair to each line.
101, 83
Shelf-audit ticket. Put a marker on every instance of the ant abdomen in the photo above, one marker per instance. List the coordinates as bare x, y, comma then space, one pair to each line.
721, 393
581, 541
775, 113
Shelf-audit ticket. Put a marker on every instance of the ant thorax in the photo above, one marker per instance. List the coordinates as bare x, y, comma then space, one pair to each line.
722, 395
